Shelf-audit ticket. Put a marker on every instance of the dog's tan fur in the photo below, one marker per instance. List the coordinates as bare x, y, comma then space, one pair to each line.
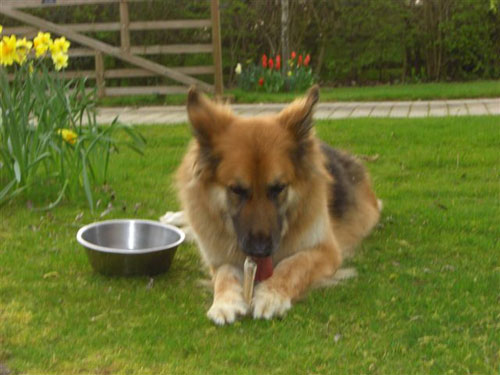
228, 149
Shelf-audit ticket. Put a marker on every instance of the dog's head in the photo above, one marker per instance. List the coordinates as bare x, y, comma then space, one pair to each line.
254, 166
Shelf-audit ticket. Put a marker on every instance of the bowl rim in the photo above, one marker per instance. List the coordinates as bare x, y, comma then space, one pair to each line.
111, 250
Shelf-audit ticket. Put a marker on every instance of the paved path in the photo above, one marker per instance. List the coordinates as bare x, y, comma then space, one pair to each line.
177, 114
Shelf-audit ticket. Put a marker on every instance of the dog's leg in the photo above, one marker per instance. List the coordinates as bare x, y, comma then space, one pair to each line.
340, 276
228, 295
292, 277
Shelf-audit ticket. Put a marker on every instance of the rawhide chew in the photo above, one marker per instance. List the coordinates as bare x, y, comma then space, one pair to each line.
249, 271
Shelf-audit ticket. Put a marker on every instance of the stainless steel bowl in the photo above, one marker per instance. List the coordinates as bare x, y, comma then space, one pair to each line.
130, 247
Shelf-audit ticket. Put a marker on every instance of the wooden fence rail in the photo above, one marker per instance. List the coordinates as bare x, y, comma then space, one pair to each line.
51, 3
115, 26
131, 54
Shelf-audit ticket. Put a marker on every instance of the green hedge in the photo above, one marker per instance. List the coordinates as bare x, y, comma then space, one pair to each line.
366, 41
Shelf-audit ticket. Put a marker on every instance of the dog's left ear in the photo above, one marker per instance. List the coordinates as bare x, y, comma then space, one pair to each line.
298, 116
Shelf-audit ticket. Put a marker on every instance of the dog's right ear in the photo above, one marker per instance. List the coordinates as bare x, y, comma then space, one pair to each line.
298, 116
206, 117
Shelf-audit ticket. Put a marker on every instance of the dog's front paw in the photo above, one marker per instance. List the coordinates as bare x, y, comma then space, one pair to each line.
226, 310
177, 218
268, 302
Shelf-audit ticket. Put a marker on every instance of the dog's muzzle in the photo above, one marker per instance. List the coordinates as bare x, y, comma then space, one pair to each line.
258, 245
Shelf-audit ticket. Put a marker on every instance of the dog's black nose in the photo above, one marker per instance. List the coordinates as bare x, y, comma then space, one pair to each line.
258, 245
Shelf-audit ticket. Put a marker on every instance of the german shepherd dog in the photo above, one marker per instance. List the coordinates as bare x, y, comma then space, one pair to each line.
268, 188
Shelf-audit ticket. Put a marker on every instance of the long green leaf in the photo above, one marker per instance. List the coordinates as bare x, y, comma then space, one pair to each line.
57, 201
17, 171
4, 196
6, 189
39, 159
86, 182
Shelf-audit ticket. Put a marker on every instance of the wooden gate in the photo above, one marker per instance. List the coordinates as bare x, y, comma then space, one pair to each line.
133, 55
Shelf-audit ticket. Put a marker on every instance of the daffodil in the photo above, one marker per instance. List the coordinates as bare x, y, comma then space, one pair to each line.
23, 48
59, 45
60, 60
8, 50
1, 28
40, 50
68, 136
42, 42
42, 38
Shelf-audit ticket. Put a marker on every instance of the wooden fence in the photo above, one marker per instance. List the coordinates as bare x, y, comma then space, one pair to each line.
133, 55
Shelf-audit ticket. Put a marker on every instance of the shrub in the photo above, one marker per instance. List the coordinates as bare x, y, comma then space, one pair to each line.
48, 132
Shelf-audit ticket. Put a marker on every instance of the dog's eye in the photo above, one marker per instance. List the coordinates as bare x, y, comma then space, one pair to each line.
276, 189
240, 191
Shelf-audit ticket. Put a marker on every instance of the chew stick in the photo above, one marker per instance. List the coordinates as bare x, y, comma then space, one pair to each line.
249, 270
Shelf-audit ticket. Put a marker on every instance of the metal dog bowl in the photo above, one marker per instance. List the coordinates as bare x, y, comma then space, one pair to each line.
130, 247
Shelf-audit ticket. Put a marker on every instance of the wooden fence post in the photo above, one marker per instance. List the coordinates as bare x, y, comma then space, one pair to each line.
99, 75
124, 26
217, 50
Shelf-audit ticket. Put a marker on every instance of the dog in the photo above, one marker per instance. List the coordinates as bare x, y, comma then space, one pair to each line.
268, 188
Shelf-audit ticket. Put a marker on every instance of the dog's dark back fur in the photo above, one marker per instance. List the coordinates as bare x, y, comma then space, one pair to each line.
346, 173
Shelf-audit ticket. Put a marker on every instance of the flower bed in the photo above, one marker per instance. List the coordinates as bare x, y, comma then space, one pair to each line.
49, 139
271, 76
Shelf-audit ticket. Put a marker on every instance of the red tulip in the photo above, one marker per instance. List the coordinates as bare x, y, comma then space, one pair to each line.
271, 63
261, 81
278, 62
299, 62
307, 60
264, 61
293, 55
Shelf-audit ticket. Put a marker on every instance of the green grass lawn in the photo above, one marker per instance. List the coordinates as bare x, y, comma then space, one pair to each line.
417, 91
426, 300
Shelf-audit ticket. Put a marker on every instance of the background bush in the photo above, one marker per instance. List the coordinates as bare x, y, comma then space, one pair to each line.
350, 41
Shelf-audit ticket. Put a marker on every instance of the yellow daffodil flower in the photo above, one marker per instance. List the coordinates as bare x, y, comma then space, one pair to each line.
23, 48
40, 50
59, 45
68, 135
1, 28
42, 42
60, 60
8, 50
